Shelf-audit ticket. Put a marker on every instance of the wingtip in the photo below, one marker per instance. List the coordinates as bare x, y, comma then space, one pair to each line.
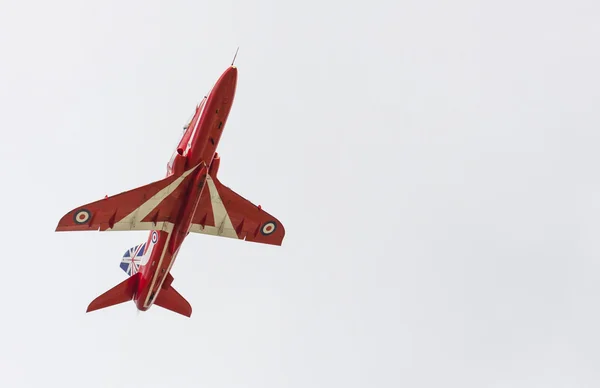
60, 227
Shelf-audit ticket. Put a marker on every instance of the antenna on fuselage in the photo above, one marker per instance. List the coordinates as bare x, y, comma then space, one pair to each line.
236, 51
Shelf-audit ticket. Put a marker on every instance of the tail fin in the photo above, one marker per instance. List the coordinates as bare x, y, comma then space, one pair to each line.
120, 293
132, 259
168, 298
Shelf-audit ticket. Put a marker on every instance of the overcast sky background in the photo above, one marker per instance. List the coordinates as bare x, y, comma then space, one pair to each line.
435, 165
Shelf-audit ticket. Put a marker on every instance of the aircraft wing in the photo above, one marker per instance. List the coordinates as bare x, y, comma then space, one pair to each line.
147, 207
222, 212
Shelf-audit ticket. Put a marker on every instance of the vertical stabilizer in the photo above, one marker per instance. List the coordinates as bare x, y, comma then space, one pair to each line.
132, 259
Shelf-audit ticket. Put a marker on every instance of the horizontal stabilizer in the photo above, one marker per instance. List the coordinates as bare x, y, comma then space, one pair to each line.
120, 293
170, 299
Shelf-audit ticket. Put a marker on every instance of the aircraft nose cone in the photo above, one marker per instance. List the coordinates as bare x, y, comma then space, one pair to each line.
232, 72
229, 77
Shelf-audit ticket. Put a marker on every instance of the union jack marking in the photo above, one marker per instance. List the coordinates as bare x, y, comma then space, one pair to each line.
132, 259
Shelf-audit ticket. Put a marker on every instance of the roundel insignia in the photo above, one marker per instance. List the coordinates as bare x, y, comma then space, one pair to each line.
268, 228
154, 237
82, 216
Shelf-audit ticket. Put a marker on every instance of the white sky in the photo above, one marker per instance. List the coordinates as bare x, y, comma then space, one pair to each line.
434, 164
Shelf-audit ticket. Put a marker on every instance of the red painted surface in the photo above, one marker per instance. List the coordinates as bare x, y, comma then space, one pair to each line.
183, 205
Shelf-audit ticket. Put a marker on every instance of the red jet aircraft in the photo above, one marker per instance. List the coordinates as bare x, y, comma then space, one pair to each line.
191, 199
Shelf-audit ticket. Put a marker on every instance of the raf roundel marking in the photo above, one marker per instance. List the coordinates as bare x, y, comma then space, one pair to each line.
154, 237
268, 228
82, 216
